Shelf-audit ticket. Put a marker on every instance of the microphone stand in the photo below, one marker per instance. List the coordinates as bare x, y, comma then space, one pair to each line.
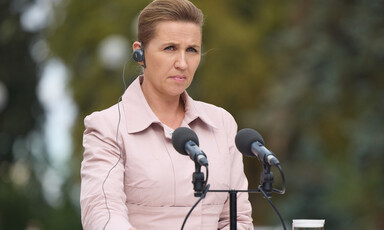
265, 188
266, 180
198, 180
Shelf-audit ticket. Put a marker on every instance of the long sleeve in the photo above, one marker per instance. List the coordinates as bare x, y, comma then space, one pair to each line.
238, 181
103, 163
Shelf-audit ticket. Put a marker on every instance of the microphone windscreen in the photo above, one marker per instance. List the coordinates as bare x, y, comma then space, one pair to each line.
244, 140
180, 136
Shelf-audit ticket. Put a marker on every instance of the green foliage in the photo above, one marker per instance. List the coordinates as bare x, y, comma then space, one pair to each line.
22, 154
324, 111
16, 67
19, 115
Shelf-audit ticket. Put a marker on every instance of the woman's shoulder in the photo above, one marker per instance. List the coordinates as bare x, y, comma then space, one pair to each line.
212, 109
218, 115
108, 116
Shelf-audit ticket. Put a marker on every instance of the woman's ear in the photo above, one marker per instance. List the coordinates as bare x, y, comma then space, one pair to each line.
136, 45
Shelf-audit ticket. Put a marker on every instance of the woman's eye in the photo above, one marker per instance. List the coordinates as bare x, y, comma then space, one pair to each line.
169, 48
191, 49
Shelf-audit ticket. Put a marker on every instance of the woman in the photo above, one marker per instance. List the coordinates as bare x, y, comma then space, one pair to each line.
132, 177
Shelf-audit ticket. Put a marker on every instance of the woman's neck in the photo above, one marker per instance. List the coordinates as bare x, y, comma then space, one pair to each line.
170, 111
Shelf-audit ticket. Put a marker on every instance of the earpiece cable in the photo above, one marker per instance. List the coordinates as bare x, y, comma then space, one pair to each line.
118, 146
120, 153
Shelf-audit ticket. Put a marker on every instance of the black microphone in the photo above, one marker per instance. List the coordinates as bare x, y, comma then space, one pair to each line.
186, 142
250, 143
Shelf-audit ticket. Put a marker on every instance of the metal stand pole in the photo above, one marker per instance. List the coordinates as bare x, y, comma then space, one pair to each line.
233, 209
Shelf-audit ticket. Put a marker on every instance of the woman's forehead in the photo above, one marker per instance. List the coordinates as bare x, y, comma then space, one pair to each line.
178, 30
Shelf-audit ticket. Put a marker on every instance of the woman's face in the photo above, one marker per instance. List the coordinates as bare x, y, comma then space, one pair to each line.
171, 58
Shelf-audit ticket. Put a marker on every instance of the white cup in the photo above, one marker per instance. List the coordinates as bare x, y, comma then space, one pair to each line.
307, 224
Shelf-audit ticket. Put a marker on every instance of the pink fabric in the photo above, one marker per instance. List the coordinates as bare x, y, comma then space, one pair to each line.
150, 186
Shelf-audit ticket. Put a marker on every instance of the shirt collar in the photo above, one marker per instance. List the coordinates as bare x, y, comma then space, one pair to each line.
139, 115
195, 110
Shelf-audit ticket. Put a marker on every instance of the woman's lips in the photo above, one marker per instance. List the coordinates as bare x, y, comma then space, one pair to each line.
179, 78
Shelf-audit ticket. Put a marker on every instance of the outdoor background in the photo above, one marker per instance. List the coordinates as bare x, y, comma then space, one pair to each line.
308, 75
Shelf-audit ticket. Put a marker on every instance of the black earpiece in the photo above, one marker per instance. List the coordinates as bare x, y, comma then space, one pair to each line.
138, 55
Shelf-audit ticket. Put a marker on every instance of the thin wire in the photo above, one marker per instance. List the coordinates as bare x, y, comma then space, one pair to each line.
273, 207
282, 180
123, 76
120, 153
207, 172
125, 85
117, 143
193, 207
202, 196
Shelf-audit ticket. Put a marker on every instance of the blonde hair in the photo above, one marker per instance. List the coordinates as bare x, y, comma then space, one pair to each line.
166, 10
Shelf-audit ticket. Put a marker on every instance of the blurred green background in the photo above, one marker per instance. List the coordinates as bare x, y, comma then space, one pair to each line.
308, 75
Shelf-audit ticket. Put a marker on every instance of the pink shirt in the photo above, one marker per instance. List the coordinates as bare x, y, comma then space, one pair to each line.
150, 186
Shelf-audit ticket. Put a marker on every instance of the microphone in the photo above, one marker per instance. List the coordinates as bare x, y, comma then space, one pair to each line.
186, 142
250, 143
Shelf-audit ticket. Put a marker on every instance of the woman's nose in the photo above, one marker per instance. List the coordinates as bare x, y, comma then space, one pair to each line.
181, 62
